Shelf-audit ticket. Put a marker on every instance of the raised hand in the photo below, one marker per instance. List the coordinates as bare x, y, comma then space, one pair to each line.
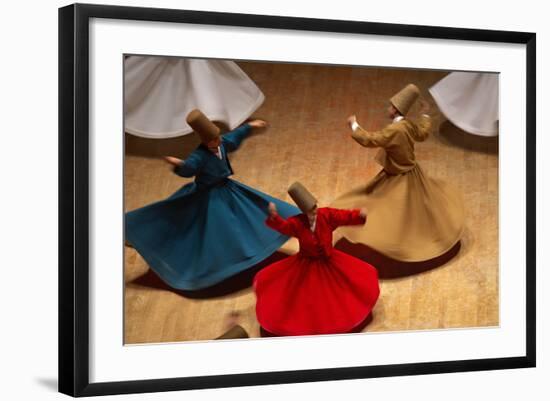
352, 119
172, 160
257, 123
272, 209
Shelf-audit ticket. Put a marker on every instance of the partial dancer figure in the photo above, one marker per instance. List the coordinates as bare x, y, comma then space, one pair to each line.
412, 217
210, 229
234, 329
470, 101
159, 90
320, 290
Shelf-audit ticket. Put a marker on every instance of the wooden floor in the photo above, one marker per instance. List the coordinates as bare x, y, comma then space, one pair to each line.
308, 140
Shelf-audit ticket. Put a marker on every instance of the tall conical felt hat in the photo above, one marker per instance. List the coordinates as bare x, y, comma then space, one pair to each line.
405, 98
302, 197
206, 129
234, 332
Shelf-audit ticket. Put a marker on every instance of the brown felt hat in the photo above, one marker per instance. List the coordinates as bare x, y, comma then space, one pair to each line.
405, 98
302, 197
234, 332
206, 129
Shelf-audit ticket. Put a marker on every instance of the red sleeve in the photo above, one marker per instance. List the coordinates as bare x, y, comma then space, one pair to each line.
277, 223
340, 217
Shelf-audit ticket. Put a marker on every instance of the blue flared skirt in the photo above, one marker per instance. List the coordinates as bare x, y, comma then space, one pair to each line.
200, 236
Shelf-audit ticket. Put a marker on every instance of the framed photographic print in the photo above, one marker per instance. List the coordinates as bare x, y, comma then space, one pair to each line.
249, 199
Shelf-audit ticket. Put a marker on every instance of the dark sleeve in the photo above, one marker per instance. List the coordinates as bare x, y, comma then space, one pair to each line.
232, 140
340, 217
281, 225
190, 166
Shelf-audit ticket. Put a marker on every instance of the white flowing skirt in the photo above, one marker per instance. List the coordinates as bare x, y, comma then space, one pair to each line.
160, 91
470, 101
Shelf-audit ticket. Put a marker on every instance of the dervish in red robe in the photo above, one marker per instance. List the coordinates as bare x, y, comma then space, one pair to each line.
320, 290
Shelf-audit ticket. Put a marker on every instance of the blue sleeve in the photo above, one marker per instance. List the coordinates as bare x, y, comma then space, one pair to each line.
232, 140
190, 166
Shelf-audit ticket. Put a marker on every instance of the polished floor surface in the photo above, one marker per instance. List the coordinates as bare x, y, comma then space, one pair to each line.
308, 140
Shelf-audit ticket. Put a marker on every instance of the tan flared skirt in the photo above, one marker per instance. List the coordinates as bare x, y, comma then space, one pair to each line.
411, 217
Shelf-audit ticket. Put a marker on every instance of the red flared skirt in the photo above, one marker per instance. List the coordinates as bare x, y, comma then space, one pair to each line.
304, 296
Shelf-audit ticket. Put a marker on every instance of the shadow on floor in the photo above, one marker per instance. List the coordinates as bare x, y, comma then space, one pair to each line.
157, 148
390, 268
450, 134
358, 329
233, 284
180, 146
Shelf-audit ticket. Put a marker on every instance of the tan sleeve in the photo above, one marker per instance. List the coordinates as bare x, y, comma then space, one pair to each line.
424, 125
373, 139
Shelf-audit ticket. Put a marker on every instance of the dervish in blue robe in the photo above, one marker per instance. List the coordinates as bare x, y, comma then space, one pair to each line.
210, 229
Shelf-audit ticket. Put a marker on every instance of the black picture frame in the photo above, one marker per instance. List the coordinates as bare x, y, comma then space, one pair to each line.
74, 198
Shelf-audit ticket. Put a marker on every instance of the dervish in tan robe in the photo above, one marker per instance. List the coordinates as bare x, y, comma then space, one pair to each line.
412, 217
